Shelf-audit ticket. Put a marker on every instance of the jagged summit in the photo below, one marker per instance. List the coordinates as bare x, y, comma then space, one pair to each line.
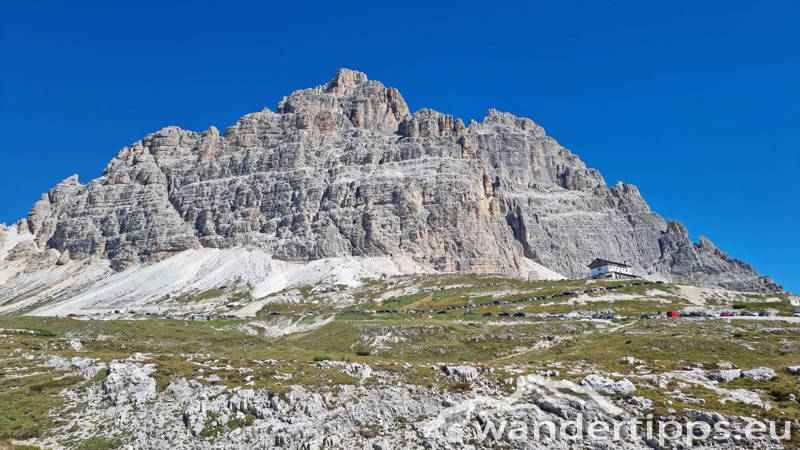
344, 170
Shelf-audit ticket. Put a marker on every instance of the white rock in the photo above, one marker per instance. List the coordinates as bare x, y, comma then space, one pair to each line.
641, 402
356, 370
129, 382
85, 367
759, 373
465, 374
76, 345
607, 385
724, 376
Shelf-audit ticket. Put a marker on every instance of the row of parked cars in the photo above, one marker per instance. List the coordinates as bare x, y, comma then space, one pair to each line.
710, 314
185, 316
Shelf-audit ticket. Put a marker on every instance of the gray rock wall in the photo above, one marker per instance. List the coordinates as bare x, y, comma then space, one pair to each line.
345, 169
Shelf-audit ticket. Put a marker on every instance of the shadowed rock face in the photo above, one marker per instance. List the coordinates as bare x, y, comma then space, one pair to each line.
345, 169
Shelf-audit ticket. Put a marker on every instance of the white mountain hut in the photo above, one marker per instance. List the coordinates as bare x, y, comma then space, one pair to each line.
603, 269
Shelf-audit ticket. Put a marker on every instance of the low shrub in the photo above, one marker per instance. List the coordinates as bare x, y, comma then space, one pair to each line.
44, 333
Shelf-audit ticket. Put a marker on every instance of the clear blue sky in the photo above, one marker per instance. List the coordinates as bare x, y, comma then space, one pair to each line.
696, 103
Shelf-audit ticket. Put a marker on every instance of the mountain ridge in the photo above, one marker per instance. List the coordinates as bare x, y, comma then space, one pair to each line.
346, 170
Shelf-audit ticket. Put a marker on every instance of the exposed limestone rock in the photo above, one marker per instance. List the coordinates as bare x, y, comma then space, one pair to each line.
704, 264
63, 258
129, 383
759, 373
466, 374
344, 169
42, 260
641, 402
22, 251
86, 368
607, 385
362, 371
724, 376
22, 226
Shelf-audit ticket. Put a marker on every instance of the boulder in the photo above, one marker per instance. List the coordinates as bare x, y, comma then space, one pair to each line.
631, 360
465, 374
356, 370
607, 385
703, 416
724, 376
181, 390
641, 402
759, 373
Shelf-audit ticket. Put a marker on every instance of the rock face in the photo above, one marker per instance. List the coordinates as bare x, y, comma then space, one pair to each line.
345, 169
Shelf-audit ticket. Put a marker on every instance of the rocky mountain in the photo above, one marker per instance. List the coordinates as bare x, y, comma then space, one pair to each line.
346, 170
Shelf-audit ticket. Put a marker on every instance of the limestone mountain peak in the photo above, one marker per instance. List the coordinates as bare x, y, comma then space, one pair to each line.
344, 170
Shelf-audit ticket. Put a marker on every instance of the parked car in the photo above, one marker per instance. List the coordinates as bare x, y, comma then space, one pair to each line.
442, 312
523, 314
672, 314
763, 314
488, 314
796, 314
504, 314
725, 314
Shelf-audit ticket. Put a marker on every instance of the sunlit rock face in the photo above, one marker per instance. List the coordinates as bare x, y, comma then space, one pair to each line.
344, 169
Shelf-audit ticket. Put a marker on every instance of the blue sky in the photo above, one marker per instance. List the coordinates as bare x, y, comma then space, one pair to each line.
696, 103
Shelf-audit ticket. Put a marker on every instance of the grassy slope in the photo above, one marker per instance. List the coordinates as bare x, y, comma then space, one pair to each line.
419, 339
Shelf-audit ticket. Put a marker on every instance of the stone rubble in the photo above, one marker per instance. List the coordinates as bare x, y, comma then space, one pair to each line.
192, 415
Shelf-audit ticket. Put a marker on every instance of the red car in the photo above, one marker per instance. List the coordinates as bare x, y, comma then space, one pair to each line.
725, 314
672, 314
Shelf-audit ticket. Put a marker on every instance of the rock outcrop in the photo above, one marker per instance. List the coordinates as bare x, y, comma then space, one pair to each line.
345, 169
607, 385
